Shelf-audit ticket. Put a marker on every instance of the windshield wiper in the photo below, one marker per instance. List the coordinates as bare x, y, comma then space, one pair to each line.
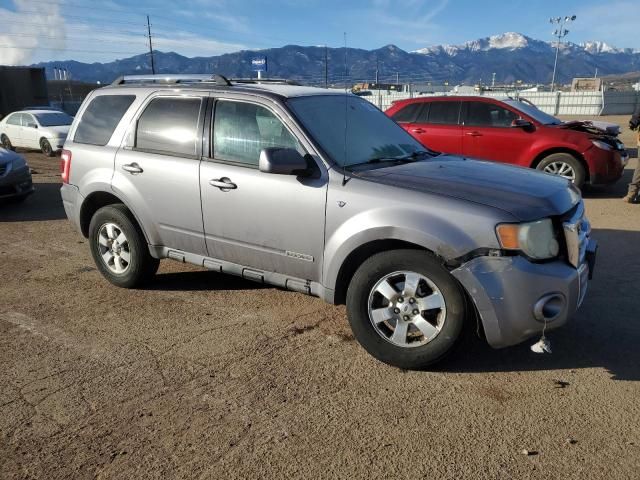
412, 157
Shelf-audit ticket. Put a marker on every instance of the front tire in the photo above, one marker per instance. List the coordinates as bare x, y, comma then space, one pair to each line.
405, 308
119, 248
46, 148
564, 165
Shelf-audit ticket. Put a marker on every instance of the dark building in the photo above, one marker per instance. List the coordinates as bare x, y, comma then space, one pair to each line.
22, 87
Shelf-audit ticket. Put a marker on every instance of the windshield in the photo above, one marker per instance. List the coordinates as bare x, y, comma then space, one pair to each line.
370, 134
53, 119
534, 112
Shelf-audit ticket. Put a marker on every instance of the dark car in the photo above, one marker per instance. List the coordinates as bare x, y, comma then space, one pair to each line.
512, 131
15, 177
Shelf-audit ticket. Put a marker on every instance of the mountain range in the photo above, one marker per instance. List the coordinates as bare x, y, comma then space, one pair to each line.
511, 56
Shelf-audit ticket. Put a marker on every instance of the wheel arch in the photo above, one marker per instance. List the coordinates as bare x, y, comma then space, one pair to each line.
550, 151
95, 201
357, 256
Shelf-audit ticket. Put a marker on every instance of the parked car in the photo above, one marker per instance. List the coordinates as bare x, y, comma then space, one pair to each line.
319, 192
513, 131
15, 176
45, 130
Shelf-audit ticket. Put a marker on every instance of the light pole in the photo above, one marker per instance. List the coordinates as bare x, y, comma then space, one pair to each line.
559, 33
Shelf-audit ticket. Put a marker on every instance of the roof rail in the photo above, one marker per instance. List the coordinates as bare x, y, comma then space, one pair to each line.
173, 78
282, 81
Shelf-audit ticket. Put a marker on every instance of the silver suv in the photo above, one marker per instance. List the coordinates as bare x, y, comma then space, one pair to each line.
319, 192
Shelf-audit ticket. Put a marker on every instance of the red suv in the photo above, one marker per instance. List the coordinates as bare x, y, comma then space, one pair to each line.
514, 131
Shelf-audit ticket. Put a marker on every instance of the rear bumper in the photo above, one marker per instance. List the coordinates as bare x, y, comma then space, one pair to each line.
16, 183
70, 200
509, 294
605, 166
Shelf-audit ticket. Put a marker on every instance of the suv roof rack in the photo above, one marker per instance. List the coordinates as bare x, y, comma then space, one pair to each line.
171, 79
282, 81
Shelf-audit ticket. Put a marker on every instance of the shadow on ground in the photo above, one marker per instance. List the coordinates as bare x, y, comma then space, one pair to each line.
200, 281
44, 204
604, 333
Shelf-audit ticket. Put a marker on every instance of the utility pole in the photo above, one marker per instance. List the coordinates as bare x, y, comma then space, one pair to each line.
326, 67
397, 78
153, 67
559, 33
493, 79
377, 69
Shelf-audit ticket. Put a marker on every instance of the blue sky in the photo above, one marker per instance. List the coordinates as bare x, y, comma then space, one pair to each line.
85, 30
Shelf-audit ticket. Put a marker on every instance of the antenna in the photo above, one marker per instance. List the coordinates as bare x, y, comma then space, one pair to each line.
153, 67
346, 113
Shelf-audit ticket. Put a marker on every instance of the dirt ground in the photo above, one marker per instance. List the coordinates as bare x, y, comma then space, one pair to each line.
204, 375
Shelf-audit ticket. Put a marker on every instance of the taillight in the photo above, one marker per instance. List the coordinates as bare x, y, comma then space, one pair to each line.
65, 165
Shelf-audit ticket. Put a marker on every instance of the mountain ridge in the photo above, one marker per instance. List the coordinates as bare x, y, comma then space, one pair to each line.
513, 56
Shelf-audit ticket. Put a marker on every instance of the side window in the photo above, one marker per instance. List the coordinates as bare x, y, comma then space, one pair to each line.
28, 120
444, 113
241, 130
407, 114
15, 119
170, 125
482, 114
423, 117
101, 117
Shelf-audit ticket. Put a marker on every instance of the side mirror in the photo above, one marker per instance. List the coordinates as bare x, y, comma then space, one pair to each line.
521, 123
283, 161
32, 125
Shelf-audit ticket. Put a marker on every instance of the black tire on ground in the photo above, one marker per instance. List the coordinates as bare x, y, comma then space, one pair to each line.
46, 148
370, 273
568, 159
142, 266
6, 143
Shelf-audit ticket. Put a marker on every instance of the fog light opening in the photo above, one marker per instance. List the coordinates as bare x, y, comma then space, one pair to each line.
549, 307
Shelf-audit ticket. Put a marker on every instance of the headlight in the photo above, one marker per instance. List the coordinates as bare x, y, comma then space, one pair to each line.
536, 240
601, 144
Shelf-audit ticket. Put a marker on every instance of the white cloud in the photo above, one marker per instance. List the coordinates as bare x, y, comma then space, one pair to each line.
19, 44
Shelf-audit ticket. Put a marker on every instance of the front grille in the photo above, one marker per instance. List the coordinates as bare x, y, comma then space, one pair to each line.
576, 233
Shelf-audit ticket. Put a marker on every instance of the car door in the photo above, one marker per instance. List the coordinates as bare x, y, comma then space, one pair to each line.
488, 134
13, 129
30, 134
157, 169
437, 126
265, 221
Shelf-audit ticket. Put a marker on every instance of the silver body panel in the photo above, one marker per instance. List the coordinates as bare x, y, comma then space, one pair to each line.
298, 232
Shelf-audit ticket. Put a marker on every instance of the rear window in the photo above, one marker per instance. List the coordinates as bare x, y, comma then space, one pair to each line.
444, 113
101, 117
169, 125
407, 114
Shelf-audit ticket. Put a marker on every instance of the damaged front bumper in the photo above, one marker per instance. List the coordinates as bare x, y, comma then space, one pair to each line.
16, 183
515, 297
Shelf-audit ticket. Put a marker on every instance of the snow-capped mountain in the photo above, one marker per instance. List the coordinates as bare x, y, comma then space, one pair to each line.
512, 56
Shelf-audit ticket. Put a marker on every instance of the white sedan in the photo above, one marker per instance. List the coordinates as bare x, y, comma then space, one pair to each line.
45, 130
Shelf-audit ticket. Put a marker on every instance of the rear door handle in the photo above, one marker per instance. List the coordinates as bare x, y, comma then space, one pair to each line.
473, 134
223, 183
132, 168
418, 130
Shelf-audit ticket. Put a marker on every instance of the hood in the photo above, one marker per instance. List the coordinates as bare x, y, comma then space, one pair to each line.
57, 131
8, 156
524, 193
593, 127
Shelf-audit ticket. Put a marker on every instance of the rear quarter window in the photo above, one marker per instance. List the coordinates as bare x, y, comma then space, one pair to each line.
101, 117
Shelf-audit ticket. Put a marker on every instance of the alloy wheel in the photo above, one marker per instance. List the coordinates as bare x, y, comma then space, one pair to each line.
407, 309
561, 169
113, 247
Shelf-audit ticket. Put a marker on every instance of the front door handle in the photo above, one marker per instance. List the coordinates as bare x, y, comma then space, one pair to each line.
418, 130
132, 168
473, 134
223, 183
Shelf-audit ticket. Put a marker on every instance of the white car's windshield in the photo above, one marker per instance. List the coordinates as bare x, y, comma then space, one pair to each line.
53, 119
351, 130
534, 112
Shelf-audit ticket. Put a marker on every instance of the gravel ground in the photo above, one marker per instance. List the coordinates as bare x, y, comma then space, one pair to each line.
204, 375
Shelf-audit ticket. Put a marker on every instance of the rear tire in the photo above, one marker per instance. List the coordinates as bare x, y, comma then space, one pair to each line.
6, 143
119, 248
46, 148
564, 165
413, 337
